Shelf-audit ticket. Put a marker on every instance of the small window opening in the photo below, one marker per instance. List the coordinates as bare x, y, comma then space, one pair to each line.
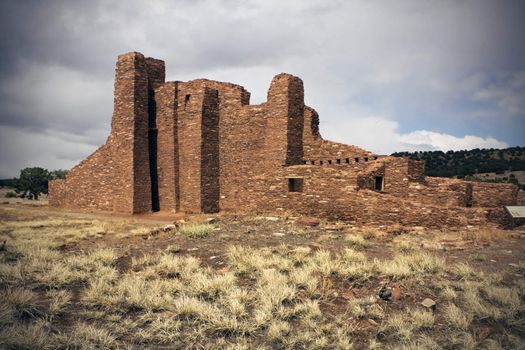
186, 100
379, 183
366, 159
304, 161
321, 162
330, 162
357, 160
375, 158
295, 185
338, 161
313, 162
347, 160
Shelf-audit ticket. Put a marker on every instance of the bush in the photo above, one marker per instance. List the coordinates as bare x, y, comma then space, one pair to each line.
10, 194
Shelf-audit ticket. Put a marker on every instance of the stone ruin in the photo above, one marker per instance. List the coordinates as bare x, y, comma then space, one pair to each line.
201, 147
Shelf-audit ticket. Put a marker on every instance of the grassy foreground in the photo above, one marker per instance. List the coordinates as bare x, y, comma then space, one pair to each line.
89, 284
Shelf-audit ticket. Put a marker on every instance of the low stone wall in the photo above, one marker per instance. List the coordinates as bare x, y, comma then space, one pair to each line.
486, 194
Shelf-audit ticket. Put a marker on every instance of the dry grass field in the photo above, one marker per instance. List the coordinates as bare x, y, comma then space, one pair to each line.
227, 282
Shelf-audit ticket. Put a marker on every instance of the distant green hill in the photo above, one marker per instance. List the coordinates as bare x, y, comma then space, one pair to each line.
464, 163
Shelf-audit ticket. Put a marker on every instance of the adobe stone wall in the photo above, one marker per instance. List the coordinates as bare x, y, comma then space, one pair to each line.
317, 150
117, 176
199, 146
334, 193
486, 194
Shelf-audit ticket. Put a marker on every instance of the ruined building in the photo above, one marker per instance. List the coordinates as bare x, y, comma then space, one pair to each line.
200, 146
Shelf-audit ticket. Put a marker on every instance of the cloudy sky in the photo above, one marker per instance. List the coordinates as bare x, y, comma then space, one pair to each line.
385, 75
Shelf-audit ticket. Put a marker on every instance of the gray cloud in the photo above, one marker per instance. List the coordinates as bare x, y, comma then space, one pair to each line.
449, 68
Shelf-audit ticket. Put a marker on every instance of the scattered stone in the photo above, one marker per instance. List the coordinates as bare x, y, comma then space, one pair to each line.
385, 293
271, 218
169, 227
192, 249
173, 249
511, 264
308, 221
154, 231
211, 220
492, 260
429, 303
484, 333
396, 294
372, 322
213, 257
348, 294
278, 234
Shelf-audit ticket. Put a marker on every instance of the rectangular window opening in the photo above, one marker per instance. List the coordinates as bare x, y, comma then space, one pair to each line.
321, 162
313, 162
347, 160
366, 159
295, 185
379, 183
330, 162
304, 161
186, 100
357, 160
375, 158
338, 161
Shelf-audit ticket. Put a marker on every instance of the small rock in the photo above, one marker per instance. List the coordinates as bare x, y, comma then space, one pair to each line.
514, 265
169, 227
385, 293
372, 322
492, 260
154, 231
484, 333
429, 303
396, 294
211, 220
192, 249
180, 221
271, 218
278, 234
349, 294
213, 257
308, 221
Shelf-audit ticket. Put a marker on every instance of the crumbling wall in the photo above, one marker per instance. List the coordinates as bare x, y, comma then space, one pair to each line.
486, 194
199, 146
317, 150
333, 193
117, 175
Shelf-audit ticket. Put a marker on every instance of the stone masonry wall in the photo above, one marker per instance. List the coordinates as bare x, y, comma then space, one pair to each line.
199, 146
117, 176
493, 194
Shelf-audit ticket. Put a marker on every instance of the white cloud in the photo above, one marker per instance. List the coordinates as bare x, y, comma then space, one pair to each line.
381, 135
444, 142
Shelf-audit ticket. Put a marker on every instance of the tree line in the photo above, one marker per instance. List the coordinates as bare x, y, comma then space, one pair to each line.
466, 163
32, 182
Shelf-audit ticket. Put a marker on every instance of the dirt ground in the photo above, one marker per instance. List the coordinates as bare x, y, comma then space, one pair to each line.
480, 254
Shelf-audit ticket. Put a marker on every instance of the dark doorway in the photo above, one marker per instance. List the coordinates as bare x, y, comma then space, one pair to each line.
152, 150
379, 183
